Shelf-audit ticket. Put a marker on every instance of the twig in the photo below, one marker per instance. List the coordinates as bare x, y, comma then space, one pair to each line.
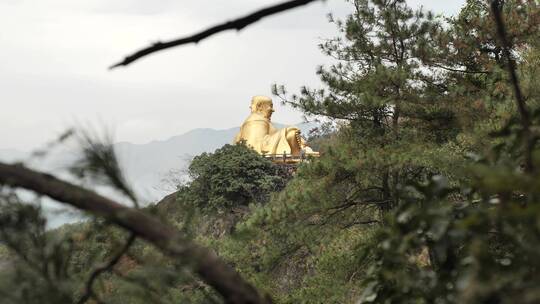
440, 66
169, 240
237, 24
89, 291
511, 65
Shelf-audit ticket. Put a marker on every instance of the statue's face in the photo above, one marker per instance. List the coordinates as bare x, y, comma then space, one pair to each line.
267, 110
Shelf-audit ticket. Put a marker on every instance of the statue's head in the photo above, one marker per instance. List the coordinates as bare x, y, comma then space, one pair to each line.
263, 105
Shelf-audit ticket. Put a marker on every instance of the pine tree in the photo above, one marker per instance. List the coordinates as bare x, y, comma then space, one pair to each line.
384, 93
396, 126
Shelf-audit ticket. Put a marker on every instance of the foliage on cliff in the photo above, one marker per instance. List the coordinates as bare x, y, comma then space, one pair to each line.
233, 175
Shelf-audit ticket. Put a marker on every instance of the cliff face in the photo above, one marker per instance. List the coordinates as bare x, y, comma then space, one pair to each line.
217, 229
203, 223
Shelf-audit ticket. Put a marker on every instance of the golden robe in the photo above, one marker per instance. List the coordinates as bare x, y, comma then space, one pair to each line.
259, 134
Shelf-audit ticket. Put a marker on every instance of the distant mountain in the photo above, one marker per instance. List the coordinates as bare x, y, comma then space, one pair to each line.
146, 166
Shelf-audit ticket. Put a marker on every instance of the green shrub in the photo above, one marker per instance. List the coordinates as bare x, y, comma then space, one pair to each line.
233, 175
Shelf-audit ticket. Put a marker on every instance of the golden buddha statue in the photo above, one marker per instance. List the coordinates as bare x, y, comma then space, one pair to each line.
258, 132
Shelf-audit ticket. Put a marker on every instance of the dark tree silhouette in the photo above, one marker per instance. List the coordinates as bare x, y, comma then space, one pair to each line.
215, 272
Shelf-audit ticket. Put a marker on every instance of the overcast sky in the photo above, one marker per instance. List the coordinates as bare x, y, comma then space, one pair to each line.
54, 56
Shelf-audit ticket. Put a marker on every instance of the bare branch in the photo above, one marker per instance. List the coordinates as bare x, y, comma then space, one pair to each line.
215, 272
237, 24
496, 7
107, 267
465, 71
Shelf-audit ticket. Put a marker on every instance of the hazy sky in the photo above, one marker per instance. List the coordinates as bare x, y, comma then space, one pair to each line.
55, 53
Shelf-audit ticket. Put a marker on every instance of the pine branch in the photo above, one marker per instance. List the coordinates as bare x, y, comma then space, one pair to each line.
107, 267
496, 8
457, 70
237, 24
215, 272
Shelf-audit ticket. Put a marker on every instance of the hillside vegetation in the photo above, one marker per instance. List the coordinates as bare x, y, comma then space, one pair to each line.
427, 190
